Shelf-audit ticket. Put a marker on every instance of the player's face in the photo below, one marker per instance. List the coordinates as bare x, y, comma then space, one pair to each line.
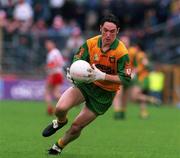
49, 45
109, 32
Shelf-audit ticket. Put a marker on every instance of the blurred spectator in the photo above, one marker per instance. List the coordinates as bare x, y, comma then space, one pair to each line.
55, 7
120, 9
150, 21
58, 27
23, 53
67, 9
150, 18
23, 11
73, 44
104, 7
39, 28
80, 15
91, 20
174, 18
9, 30
8, 7
56, 3
139, 19
93, 6
3, 18
41, 10
163, 10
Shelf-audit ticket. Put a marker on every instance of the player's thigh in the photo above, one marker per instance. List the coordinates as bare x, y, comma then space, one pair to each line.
57, 90
126, 94
135, 92
71, 97
85, 117
48, 88
120, 92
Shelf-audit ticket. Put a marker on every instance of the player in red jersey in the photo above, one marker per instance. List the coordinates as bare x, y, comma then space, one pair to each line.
54, 69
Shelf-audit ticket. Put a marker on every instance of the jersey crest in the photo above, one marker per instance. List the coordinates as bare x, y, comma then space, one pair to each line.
112, 59
96, 57
128, 69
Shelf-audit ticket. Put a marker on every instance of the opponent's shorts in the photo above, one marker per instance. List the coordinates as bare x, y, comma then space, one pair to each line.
97, 99
144, 84
133, 82
55, 79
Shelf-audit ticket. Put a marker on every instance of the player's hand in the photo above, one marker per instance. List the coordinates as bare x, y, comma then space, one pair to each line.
97, 74
68, 76
133, 75
90, 76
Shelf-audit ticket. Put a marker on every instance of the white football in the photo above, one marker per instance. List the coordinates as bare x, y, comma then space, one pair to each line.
79, 70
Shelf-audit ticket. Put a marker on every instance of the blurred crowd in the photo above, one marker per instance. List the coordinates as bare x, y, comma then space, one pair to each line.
24, 22
63, 15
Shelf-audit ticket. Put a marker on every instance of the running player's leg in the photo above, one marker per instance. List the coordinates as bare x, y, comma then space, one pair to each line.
57, 91
138, 96
58, 81
117, 104
85, 117
48, 99
120, 103
70, 98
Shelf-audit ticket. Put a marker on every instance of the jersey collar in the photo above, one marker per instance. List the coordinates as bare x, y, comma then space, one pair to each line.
114, 45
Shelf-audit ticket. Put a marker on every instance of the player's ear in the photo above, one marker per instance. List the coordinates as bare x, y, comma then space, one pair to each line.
118, 30
100, 28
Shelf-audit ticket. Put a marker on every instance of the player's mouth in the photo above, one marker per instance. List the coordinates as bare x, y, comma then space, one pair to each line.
108, 39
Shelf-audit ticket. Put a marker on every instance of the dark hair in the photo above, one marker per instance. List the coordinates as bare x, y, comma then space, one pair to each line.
110, 18
50, 39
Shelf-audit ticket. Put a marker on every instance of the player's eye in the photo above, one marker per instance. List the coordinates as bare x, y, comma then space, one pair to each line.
105, 30
112, 31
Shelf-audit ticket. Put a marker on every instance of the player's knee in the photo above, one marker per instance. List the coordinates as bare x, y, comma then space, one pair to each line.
60, 110
57, 95
135, 95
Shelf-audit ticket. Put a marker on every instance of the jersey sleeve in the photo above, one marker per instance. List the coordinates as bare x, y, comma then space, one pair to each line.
124, 69
82, 54
135, 64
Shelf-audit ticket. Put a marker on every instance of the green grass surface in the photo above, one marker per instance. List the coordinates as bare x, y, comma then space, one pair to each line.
21, 124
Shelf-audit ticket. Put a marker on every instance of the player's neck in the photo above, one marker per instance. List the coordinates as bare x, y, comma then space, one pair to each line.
105, 47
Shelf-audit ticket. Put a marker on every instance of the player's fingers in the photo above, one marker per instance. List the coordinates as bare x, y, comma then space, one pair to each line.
93, 66
90, 70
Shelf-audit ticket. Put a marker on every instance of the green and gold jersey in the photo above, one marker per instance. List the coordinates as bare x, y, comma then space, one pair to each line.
114, 61
132, 51
142, 69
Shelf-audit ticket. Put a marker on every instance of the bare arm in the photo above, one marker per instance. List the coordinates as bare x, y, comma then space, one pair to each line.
113, 78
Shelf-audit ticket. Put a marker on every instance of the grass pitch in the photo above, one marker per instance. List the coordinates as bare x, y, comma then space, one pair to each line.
21, 124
